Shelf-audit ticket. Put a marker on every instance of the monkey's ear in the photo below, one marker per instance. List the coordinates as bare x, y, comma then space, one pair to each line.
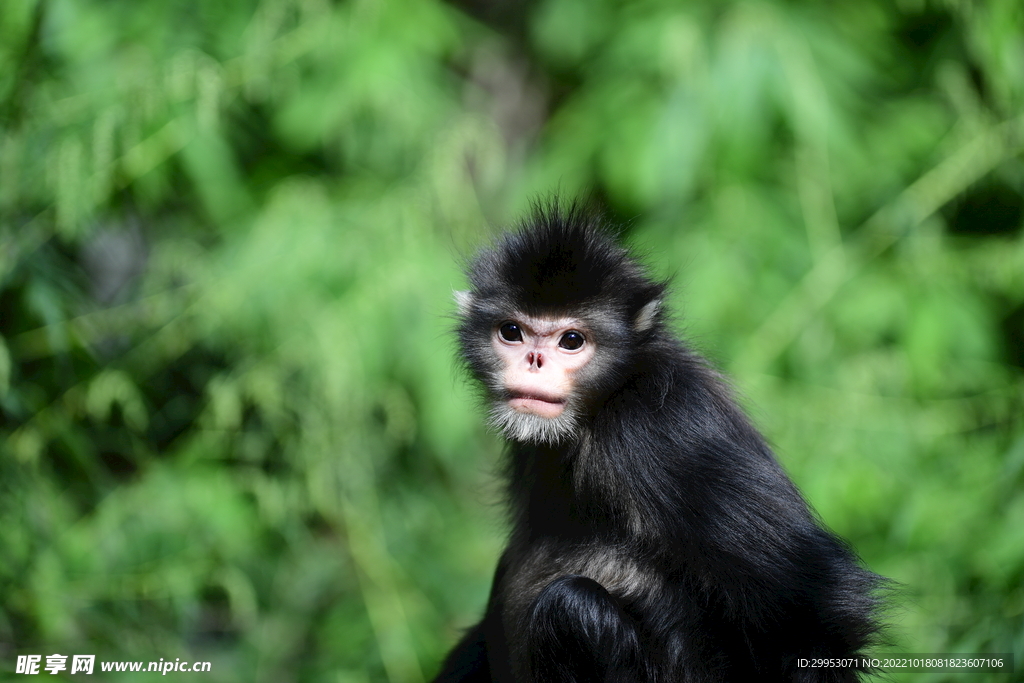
648, 315
464, 301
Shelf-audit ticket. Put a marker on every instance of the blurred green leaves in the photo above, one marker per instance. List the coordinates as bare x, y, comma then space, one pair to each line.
232, 427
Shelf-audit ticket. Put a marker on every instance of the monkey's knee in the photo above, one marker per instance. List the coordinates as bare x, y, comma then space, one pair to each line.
578, 632
575, 605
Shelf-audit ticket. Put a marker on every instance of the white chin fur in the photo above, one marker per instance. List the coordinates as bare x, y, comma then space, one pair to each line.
528, 428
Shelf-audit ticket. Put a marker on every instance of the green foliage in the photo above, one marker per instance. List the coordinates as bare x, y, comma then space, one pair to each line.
231, 425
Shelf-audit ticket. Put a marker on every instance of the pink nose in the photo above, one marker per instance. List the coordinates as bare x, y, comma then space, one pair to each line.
534, 358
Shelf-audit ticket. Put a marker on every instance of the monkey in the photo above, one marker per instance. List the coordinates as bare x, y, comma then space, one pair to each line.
654, 536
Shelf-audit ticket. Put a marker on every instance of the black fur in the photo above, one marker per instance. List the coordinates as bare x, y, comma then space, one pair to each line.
661, 541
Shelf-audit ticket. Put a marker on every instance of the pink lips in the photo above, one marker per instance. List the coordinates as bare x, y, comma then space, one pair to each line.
537, 404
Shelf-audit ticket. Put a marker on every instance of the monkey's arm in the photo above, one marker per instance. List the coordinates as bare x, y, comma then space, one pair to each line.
467, 663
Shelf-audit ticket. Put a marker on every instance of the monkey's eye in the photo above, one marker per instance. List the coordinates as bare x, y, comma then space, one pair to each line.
571, 340
510, 332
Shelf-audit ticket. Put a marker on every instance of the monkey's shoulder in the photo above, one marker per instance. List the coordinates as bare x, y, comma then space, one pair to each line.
675, 399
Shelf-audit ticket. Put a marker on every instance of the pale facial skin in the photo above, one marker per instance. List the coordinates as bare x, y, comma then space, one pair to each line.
540, 357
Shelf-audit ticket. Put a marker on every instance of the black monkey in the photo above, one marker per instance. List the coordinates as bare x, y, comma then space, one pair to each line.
654, 535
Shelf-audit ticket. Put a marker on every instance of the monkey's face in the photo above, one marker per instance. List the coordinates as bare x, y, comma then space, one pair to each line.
534, 377
544, 372
539, 358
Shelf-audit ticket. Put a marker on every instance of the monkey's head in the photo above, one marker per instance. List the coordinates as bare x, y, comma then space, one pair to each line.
555, 317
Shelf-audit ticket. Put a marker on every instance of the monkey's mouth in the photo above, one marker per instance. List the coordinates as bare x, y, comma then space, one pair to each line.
536, 404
